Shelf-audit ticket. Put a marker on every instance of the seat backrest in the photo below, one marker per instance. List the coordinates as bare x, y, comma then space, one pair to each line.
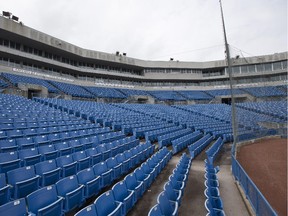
64, 160
20, 174
8, 156
79, 155
139, 174
120, 191
111, 162
15, 208
170, 191
155, 211
87, 211
28, 153
2, 180
41, 198
91, 151
100, 168
130, 181
105, 203
164, 204
45, 166
66, 185
85, 175
46, 148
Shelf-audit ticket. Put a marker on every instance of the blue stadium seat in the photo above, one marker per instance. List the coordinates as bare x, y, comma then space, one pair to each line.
14, 133
113, 164
125, 162
23, 181
142, 177
214, 206
48, 171
9, 161
105, 204
26, 142
15, 208
167, 207
155, 211
29, 156
4, 190
212, 192
71, 191
132, 184
68, 166
95, 156
87, 211
172, 194
63, 148
82, 160
91, 182
176, 184
48, 152
45, 202
125, 196
41, 140
106, 174
76, 145
8, 145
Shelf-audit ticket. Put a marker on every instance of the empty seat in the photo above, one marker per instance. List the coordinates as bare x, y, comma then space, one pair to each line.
63, 148
41, 140
141, 176
4, 190
155, 211
9, 161
87, 211
91, 182
45, 202
8, 145
125, 163
23, 181
29, 156
95, 156
122, 194
82, 160
167, 206
113, 164
68, 166
106, 174
105, 204
15, 208
25, 142
48, 152
48, 171
71, 191
132, 184
76, 145
14, 133
172, 194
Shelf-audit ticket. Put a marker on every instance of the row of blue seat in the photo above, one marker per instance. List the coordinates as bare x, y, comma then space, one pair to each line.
25, 181
124, 194
169, 200
94, 137
181, 143
153, 135
166, 139
198, 146
213, 202
214, 150
26, 157
18, 131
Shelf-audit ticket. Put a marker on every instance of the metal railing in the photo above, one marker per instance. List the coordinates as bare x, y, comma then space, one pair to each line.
258, 202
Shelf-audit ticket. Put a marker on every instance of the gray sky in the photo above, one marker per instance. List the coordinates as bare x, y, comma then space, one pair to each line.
187, 30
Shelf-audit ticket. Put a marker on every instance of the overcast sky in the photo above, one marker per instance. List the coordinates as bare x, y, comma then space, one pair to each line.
186, 30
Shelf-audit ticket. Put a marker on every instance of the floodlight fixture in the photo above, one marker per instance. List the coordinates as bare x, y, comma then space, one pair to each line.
15, 18
6, 14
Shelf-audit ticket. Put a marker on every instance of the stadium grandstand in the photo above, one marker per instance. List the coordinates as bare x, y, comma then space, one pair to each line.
84, 132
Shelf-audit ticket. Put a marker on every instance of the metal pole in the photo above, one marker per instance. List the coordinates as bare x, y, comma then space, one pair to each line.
228, 59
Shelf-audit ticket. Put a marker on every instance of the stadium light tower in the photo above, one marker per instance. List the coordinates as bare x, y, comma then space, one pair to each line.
228, 59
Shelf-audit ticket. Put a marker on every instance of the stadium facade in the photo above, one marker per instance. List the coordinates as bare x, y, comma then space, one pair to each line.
23, 49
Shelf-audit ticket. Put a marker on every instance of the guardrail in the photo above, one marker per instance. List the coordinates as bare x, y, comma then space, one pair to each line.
258, 202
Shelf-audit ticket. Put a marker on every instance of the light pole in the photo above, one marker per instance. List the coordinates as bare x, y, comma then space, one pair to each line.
228, 59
